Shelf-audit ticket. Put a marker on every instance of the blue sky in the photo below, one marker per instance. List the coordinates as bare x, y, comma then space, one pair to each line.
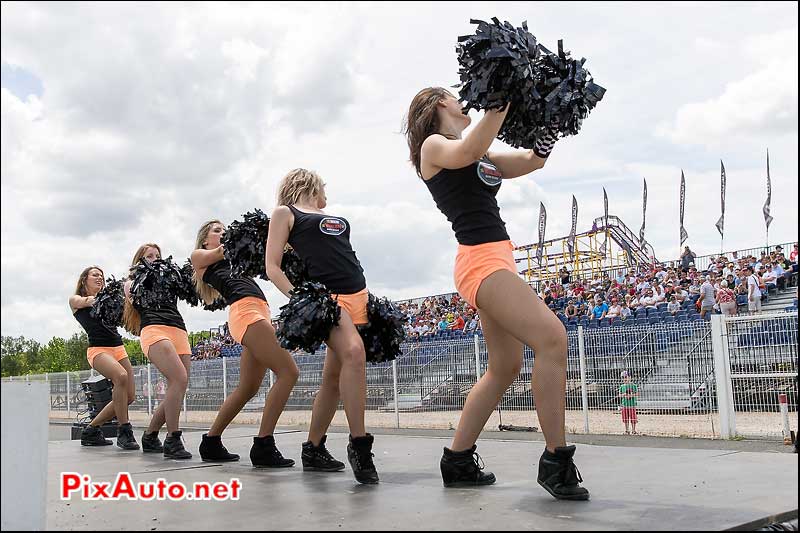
136, 122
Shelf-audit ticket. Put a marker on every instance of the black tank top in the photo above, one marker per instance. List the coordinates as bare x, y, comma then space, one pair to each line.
234, 289
323, 243
466, 196
99, 334
166, 315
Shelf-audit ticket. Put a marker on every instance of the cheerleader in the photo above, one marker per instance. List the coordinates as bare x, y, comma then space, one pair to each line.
463, 177
165, 342
322, 242
249, 323
106, 354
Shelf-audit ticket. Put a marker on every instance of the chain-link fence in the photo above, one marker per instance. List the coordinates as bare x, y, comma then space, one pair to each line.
672, 366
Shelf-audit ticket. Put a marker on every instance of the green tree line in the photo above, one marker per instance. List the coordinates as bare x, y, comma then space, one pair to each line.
22, 356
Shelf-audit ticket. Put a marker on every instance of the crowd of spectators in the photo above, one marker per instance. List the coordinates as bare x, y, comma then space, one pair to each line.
212, 347
724, 286
436, 315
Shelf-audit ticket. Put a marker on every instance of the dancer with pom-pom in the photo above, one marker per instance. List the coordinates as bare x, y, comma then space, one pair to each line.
151, 311
463, 177
250, 325
106, 354
322, 242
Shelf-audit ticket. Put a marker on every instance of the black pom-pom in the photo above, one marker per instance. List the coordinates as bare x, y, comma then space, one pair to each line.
216, 305
186, 290
384, 332
109, 303
294, 268
156, 284
307, 320
548, 92
245, 244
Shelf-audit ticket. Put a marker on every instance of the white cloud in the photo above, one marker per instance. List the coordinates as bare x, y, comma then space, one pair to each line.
760, 105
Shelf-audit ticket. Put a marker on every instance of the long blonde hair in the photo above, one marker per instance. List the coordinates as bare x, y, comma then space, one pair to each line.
131, 320
422, 121
297, 184
207, 293
80, 288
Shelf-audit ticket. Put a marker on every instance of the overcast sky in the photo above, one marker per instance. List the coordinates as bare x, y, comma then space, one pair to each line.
128, 123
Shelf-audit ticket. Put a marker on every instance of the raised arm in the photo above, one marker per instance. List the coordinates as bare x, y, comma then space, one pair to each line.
202, 259
79, 302
279, 228
439, 152
517, 163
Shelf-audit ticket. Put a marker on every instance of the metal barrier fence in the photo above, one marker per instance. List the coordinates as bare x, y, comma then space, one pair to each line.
674, 365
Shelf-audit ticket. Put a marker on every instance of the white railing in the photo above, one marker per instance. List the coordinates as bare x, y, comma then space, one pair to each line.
676, 367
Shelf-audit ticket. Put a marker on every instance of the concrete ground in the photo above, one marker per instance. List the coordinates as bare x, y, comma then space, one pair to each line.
637, 483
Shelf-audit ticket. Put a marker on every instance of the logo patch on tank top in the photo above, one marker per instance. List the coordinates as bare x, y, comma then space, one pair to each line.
332, 226
489, 174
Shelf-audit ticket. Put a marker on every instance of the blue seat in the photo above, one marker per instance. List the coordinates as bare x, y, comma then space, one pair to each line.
669, 319
641, 322
654, 320
696, 317
640, 312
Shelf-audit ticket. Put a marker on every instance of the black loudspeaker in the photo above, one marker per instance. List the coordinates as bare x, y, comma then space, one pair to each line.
103, 396
97, 383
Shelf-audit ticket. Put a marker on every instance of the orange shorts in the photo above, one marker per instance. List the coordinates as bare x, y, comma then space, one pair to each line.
476, 263
245, 312
355, 305
153, 334
118, 352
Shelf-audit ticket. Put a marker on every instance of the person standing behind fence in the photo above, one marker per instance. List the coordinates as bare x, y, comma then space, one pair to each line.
464, 177
628, 392
165, 342
753, 291
726, 299
707, 297
249, 324
107, 355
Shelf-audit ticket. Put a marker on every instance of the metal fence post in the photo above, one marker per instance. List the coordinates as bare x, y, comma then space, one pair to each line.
722, 373
477, 358
185, 413
149, 392
68, 406
271, 378
394, 380
224, 378
584, 392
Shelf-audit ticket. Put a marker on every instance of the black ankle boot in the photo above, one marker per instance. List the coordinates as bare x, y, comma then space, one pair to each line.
125, 438
264, 454
93, 436
464, 469
173, 447
213, 451
318, 458
359, 453
559, 476
151, 443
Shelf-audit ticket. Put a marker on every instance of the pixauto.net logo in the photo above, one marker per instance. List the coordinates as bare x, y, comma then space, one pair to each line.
82, 486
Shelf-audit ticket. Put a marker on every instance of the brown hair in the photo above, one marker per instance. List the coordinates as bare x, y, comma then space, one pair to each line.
207, 293
422, 121
80, 288
298, 183
131, 320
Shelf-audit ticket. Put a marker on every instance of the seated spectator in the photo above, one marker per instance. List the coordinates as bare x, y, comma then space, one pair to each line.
648, 300
673, 306
793, 255
726, 300
443, 324
599, 310
658, 292
472, 323
548, 297
625, 311
780, 272
571, 311
615, 310
458, 324
769, 277
694, 289
680, 294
